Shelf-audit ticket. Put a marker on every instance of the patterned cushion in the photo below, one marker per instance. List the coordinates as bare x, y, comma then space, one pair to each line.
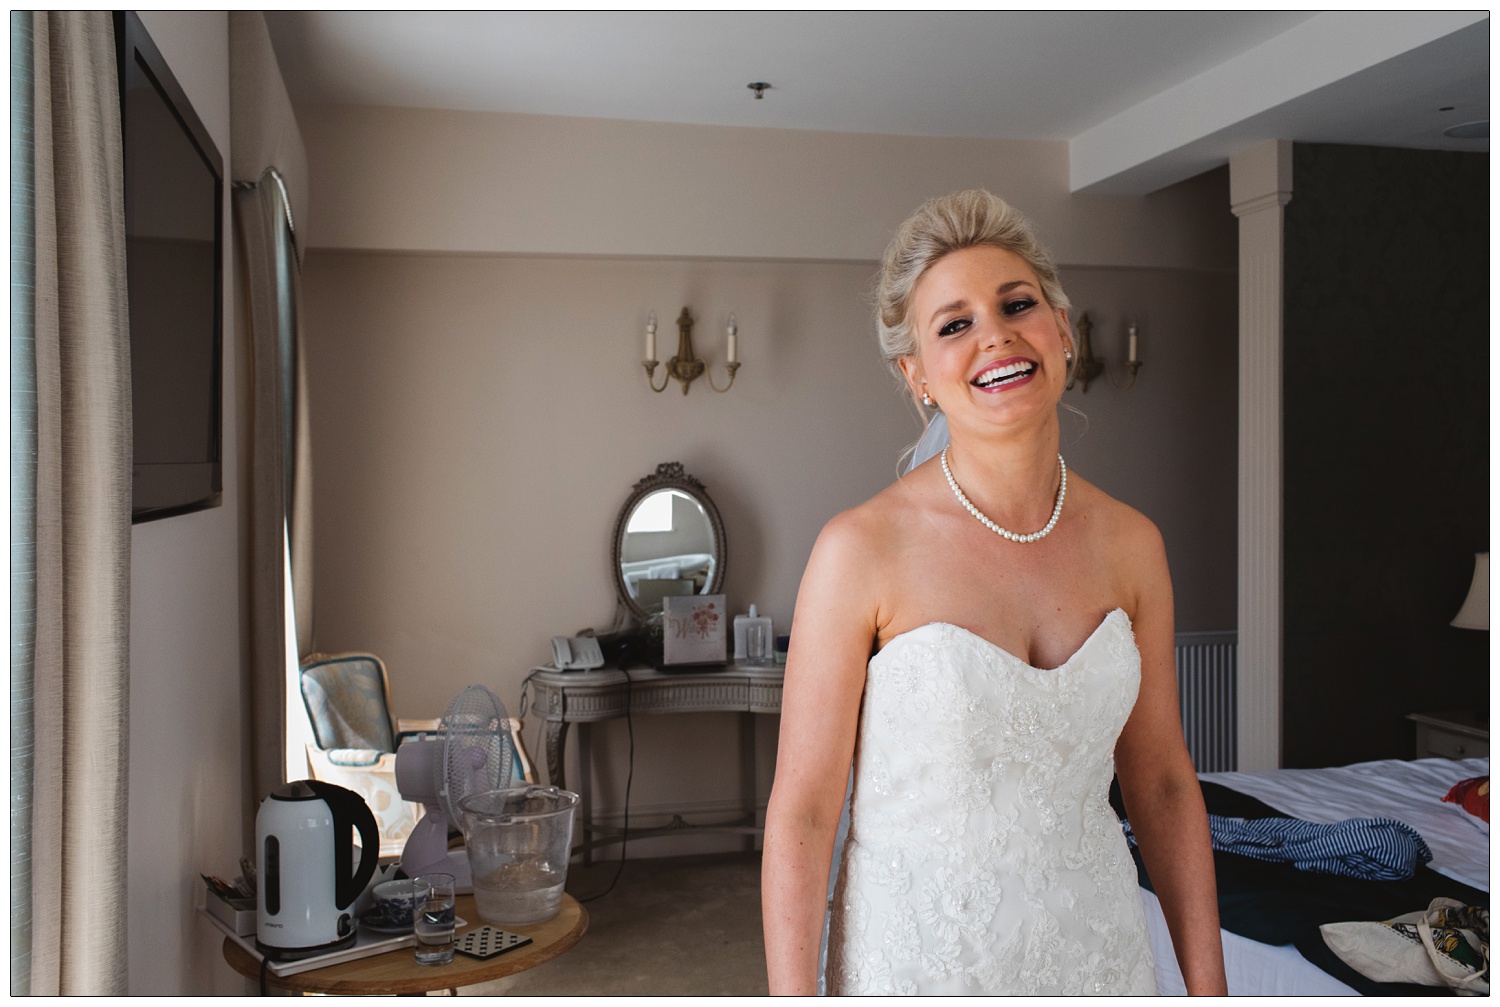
345, 698
1473, 796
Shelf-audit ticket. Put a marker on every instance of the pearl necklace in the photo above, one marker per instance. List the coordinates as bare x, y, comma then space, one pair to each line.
1062, 492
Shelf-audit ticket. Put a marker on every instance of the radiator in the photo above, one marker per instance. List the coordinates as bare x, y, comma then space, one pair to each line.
1206, 694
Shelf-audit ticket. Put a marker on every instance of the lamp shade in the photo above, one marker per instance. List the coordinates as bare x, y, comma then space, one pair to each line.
1475, 613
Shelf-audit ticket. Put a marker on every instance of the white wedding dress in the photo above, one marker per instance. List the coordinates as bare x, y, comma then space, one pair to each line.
982, 855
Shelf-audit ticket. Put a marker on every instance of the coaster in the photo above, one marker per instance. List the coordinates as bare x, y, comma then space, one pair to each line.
487, 942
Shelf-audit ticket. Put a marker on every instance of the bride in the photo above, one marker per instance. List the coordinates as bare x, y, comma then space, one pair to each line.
1022, 631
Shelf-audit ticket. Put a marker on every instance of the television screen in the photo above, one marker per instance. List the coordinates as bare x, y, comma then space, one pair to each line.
174, 260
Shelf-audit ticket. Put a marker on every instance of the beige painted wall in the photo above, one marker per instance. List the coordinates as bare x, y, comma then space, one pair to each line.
479, 420
423, 180
186, 728
1167, 445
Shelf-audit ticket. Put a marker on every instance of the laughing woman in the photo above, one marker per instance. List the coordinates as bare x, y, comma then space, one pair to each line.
1022, 632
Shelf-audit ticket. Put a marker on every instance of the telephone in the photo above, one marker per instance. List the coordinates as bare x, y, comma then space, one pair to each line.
576, 653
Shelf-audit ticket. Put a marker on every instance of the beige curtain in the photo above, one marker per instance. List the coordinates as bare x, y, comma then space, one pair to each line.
299, 507
279, 477
269, 169
82, 512
22, 492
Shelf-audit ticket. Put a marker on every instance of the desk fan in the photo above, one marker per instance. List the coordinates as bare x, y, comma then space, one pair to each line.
470, 754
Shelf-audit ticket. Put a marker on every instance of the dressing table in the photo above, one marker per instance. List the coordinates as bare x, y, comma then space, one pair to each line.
565, 698
668, 539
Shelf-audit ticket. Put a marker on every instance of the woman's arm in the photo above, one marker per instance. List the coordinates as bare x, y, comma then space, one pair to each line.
832, 635
1161, 791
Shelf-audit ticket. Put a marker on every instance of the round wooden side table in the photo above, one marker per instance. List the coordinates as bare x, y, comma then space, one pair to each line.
397, 972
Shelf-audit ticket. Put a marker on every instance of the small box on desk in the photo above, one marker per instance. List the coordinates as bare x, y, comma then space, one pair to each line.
694, 630
236, 914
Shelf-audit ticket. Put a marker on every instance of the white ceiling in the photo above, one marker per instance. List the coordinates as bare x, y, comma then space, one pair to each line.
1143, 99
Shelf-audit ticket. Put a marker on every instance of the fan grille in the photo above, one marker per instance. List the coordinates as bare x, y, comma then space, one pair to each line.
477, 753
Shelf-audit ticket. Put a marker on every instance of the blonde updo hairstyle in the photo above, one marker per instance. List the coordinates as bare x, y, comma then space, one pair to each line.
948, 224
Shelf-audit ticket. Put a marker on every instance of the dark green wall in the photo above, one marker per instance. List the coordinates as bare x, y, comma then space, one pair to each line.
1386, 444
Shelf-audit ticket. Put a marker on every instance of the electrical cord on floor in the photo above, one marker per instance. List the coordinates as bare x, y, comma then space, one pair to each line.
629, 777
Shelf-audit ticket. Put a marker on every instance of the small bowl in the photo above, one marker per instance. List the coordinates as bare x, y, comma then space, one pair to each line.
395, 900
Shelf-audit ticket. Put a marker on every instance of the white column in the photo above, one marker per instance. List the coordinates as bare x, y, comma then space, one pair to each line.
1260, 184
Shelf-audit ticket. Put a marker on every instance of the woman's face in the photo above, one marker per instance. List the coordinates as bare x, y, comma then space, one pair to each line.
988, 344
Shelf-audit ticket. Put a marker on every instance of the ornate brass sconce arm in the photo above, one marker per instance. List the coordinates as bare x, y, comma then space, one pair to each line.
1134, 366
650, 366
732, 368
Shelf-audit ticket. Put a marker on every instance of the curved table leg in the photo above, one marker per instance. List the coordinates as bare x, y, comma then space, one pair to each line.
557, 740
585, 789
557, 743
747, 775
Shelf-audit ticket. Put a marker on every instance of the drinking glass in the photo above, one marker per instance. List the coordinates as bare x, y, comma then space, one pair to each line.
758, 644
433, 918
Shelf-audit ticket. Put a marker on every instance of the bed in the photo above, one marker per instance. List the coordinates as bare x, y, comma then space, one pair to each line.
697, 567
1410, 792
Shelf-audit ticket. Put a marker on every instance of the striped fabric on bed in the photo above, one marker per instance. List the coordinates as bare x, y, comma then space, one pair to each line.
1376, 849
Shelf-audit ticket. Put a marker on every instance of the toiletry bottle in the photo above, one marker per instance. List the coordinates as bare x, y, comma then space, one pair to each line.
739, 633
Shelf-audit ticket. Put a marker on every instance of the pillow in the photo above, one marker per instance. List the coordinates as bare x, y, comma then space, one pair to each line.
1473, 796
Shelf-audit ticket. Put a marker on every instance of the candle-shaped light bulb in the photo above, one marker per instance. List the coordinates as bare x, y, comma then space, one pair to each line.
1134, 344
734, 340
651, 336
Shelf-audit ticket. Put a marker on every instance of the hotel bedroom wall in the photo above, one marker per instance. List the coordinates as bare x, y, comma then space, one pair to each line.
1387, 353
187, 725
479, 418
445, 181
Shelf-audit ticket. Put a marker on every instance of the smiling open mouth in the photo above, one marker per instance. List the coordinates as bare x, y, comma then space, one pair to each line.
1005, 374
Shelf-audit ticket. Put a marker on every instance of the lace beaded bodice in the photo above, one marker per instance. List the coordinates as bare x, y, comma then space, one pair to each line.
983, 855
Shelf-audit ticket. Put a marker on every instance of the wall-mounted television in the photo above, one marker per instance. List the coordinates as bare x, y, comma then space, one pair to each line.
174, 226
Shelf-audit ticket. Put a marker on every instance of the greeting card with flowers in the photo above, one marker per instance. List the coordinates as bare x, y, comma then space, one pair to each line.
693, 630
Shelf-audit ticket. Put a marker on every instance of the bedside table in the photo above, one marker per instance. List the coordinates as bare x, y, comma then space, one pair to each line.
1459, 735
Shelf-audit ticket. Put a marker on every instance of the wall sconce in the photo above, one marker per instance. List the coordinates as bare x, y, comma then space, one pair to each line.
1088, 367
686, 367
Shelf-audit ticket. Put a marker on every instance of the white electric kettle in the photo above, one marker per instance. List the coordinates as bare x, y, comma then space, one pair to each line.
307, 879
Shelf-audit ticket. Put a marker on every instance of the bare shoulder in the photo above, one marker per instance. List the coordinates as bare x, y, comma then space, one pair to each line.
857, 542
853, 560
1109, 520
1129, 541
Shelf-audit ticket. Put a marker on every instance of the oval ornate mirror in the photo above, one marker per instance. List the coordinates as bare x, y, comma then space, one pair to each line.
669, 539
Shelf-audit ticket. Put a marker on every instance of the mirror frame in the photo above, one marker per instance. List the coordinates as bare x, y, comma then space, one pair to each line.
668, 475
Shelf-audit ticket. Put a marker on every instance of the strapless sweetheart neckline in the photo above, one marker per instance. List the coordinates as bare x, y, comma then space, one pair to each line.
939, 624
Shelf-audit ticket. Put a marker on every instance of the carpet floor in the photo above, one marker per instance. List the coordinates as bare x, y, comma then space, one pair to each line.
679, 926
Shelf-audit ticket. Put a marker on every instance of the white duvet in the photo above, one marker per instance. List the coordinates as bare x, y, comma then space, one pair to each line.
1410, 792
